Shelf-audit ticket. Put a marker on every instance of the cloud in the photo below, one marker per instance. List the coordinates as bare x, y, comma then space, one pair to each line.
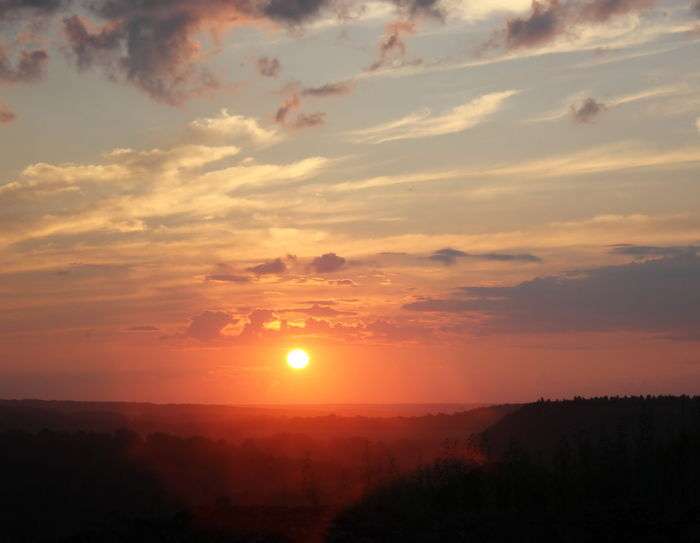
655, 295
424, 125
293, 11
6, 114
161, 53
697, 124
327, 263
32, 8
597, 160
269, 67
290, 104
207, 326
302, 120
342, 282
548, 20
227, 278
544, 23
392, 47
160, 50
161, 193
430, 8
146, 328
28, 68
600, 11
449, 256
398, 331
257, 320
329, 89
650, 251
309, 120
321, 310
586, 111
276, 266
233, 128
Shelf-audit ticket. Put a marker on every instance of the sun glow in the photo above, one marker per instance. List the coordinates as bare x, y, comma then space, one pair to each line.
297, 359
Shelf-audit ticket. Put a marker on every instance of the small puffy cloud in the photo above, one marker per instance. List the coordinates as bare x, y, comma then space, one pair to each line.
449, 256
208, 325
284, 117
544, 23
269, 67
327, 263
423, 124
233, 128
290, 104
6, 114
257, 320
29, 67
587, 110
309, 120
392, 47
329, 89
276, 266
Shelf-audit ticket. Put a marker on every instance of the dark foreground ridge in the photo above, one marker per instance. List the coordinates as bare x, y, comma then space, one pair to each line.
604, 469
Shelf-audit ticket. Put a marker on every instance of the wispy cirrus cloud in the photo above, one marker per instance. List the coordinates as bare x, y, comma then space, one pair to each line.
616, 157
583, 108
423, 124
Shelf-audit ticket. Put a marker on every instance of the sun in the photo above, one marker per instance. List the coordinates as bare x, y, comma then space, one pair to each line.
297, 359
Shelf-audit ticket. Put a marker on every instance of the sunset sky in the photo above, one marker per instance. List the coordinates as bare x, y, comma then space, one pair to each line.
440, 200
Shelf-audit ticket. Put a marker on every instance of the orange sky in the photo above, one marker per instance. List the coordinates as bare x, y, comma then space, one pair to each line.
441, 201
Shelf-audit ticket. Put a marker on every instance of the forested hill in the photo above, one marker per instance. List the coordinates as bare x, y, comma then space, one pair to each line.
237, 423
543, 426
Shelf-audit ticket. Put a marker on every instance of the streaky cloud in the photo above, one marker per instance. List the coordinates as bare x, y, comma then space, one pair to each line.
449, 256
423, 124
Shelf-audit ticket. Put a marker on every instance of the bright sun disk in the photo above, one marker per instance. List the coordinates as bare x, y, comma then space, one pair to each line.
297, 359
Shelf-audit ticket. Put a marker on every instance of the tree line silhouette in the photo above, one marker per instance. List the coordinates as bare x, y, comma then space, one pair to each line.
608, 469
640, 482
